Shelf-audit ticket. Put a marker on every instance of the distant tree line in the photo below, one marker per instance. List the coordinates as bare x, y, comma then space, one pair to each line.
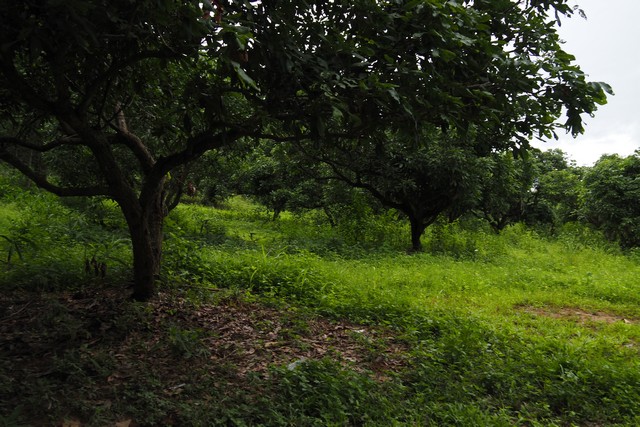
442, 179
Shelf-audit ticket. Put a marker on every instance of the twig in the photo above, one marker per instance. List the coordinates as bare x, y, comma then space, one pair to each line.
16, 313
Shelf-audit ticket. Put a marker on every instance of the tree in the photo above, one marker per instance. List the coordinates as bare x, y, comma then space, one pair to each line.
272, 177
538, 187
611, 200
133, 92
71, 70
500, 79
421, 179
506, 190
558, 196
556, 193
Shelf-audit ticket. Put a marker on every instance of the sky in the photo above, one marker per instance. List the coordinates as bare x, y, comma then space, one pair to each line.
607, 48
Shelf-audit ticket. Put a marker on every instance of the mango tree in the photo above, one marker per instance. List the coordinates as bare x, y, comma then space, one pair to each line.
117, 98
612, 191
421, 179
107, 94
506, 190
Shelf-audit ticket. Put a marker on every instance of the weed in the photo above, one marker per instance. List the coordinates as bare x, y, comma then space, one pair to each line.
187, 343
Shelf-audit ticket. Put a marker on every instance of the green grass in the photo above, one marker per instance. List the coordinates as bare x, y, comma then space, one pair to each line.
492, 317
509, 329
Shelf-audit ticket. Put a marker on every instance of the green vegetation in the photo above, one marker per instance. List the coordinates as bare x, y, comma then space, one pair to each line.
295, 322
361, 126
124, 100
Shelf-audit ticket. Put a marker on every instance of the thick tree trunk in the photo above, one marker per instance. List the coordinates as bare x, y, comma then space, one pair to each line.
146, 239
145, 227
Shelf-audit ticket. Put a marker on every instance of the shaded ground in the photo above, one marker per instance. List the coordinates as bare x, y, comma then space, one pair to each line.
94, 357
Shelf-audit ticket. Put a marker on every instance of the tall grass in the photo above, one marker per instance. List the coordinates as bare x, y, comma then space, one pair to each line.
478, 309
45, 242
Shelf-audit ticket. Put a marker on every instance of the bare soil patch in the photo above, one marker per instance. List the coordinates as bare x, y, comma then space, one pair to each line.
576, 314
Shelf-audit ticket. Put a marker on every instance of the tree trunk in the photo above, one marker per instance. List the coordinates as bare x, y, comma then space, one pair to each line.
330, 217
145, 227
417, 229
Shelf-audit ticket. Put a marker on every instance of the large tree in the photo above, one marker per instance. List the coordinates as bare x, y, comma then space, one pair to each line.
119, 96
109, 92
499, 79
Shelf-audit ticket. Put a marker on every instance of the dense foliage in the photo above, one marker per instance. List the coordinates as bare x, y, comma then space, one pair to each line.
612, 197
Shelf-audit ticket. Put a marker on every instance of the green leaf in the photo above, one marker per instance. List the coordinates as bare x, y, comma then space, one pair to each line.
244, 77
394, 94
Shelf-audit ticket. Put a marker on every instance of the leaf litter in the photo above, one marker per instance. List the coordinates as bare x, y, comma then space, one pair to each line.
91, 347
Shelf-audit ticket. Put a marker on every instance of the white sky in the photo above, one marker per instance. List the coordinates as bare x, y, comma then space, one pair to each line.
607, 48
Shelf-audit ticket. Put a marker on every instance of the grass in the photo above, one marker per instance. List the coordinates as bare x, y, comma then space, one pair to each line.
296, 323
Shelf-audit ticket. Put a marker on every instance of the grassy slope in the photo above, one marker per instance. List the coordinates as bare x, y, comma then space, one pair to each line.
495, 330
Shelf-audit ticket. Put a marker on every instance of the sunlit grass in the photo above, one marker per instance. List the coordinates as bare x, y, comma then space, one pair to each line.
514, 283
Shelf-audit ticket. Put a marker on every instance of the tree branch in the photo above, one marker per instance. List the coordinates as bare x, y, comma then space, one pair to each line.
115, 68
134, 143
42, 181
67, 140
137, 147
358, 183
196, 147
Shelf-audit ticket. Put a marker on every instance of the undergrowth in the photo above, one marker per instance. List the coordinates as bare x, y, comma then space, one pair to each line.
519, 328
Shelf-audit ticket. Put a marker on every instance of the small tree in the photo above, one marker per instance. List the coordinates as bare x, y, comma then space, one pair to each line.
506, 189
273, 178
556, 192
420, 179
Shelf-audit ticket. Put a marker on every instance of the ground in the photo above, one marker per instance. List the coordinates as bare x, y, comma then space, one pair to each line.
93, 357
577, 314
65, 354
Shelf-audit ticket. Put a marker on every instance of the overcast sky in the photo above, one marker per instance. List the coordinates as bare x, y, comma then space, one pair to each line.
607, 48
